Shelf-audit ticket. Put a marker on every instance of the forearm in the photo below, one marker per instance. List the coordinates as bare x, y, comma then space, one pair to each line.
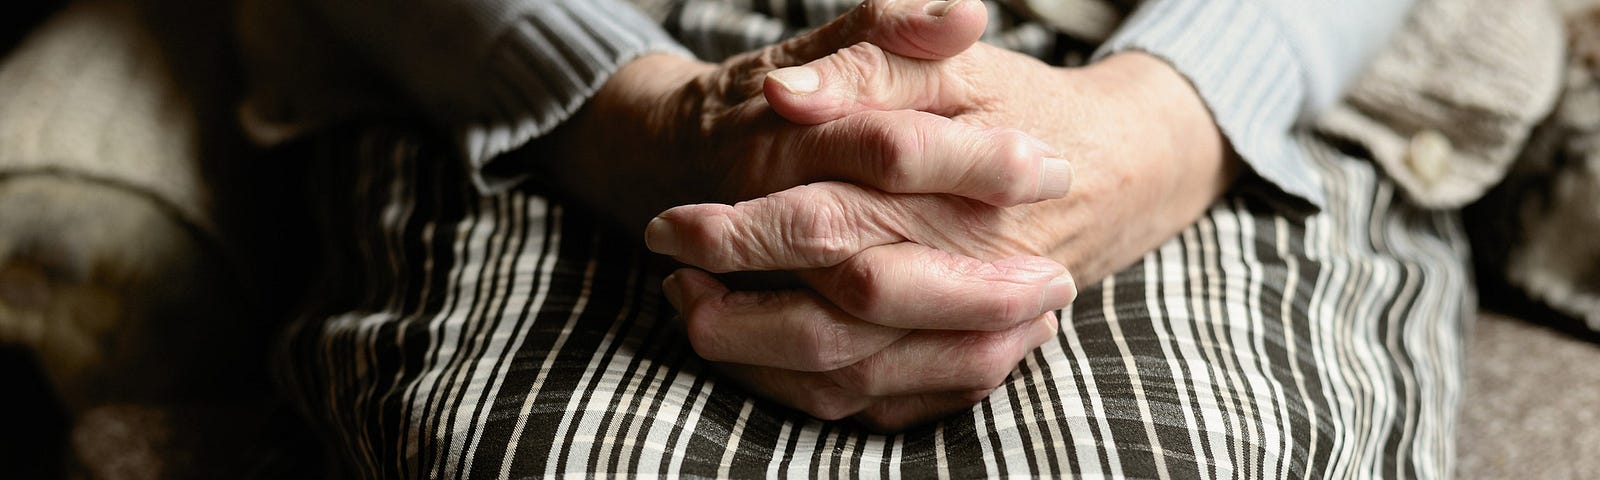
494, 73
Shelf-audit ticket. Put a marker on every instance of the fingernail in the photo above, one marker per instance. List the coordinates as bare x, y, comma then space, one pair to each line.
1060, 292
1055, 178
939, 8
797, 80
1054, 322
661, 237
673, 290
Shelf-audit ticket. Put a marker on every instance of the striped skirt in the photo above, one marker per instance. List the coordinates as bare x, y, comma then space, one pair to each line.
463, 336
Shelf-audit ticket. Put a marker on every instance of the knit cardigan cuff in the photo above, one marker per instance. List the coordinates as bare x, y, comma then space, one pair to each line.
1235, 55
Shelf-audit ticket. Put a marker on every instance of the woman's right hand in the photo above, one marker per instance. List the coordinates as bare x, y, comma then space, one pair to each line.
668, 130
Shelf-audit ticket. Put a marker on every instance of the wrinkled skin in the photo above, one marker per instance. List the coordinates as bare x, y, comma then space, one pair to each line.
915, 187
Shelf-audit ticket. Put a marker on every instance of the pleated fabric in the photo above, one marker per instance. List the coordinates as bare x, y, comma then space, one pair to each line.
512, 336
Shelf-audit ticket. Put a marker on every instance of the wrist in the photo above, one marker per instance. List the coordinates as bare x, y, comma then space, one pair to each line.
1181, 135
1163, 99
647, 92
1166, 161
616, 153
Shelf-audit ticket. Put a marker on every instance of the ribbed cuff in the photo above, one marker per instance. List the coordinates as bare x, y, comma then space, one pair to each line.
544, 69
1235, 55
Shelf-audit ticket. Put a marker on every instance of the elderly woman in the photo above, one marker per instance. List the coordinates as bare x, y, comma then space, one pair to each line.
1138, 267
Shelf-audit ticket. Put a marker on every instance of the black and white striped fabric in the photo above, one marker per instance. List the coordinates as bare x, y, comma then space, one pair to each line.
507, 336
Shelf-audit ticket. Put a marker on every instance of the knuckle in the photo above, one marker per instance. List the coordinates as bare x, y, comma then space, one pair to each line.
739, 79
700, 325
1008, 304
861, 288
967, 267
1015, 168
876, 84
896, 149
762, 60
828, 347
715, 241
989, 365
861, 63
1017, 307
823, 233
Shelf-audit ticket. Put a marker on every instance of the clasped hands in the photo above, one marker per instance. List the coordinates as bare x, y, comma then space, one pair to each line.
933, 199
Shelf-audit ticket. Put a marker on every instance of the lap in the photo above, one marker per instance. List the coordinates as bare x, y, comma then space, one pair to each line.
510, 336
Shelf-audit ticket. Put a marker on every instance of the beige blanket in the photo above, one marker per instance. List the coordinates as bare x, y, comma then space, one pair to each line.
1535, 232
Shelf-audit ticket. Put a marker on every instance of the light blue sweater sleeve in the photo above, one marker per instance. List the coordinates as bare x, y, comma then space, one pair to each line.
496, 73
1264, 66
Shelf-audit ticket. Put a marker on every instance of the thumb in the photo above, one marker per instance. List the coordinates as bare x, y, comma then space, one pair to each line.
929, 30
865, 77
